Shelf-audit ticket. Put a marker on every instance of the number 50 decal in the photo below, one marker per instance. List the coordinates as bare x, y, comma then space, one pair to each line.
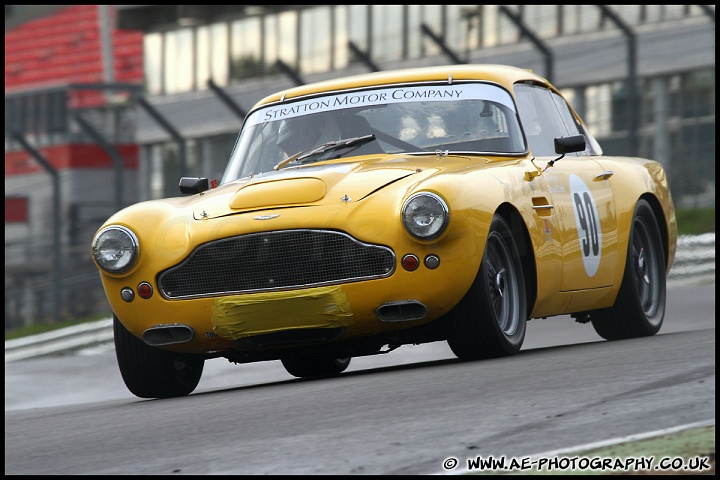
587, 221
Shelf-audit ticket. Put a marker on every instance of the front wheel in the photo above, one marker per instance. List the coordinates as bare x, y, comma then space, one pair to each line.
640, 305
491, 319
150, 372
305, 367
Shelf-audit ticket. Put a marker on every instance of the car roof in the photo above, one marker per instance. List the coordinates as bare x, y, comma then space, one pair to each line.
502, 74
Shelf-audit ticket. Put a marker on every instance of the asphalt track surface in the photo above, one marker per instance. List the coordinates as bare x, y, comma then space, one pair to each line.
407, 412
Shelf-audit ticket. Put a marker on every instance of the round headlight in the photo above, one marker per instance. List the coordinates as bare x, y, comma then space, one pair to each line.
115, 249
425, 215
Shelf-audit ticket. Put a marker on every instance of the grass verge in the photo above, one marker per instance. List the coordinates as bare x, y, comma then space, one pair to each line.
690, 452
695, 221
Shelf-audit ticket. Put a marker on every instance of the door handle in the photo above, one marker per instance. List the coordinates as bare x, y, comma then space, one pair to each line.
542, 206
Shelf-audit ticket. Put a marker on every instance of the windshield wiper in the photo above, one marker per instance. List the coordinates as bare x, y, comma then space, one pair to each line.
300, 158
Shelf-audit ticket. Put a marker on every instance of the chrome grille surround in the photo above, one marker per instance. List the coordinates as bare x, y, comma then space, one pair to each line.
281, 259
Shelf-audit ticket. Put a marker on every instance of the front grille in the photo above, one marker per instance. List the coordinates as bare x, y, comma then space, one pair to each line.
275, 260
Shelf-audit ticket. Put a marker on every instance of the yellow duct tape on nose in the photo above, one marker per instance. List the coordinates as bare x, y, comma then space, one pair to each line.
237, 316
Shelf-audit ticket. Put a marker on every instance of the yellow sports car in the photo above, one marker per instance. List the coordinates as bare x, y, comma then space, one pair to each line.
361, 214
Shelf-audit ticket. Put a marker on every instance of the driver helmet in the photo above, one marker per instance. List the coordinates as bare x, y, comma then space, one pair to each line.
298, 134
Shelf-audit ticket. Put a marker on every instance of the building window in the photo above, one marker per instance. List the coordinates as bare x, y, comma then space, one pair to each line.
203, 49
698, 93
316, 40
413, 35
219, 55
340, 37
281, 40
432, 16
179, 61
156, 180
542, 19
631, 14
357, 27
597, 104
153, 54
245, 48
387, 31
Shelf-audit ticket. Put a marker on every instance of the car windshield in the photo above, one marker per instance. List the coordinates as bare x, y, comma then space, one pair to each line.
411, 119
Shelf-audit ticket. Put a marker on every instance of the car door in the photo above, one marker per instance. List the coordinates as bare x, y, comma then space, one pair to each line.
583, 208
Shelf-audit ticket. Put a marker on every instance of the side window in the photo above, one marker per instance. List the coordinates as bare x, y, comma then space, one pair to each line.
592, 147
575, 128
541, 119
565, 114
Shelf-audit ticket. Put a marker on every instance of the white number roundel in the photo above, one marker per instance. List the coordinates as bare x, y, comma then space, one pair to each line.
587, 221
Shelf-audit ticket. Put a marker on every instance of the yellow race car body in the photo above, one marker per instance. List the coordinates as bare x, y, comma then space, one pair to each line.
469, 200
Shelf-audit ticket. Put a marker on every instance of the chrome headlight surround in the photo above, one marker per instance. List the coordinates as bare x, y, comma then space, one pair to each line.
115, 249
425, 215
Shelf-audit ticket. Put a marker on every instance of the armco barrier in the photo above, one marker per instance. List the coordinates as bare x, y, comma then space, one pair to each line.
70, 338
695, 258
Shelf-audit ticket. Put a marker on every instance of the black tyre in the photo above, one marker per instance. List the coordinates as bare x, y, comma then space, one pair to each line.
490, 321
304, 367
639, 308
149, 372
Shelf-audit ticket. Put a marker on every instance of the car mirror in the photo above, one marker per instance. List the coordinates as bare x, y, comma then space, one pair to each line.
193, 185
575, 143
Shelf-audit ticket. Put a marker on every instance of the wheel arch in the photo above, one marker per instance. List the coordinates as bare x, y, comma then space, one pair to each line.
521, 235
662, 223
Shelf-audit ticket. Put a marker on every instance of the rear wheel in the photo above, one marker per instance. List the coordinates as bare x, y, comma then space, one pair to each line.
491, 319
639, 309
149, 372
304, 367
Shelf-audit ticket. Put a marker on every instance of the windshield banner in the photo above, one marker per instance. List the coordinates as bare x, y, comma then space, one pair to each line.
365, 98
